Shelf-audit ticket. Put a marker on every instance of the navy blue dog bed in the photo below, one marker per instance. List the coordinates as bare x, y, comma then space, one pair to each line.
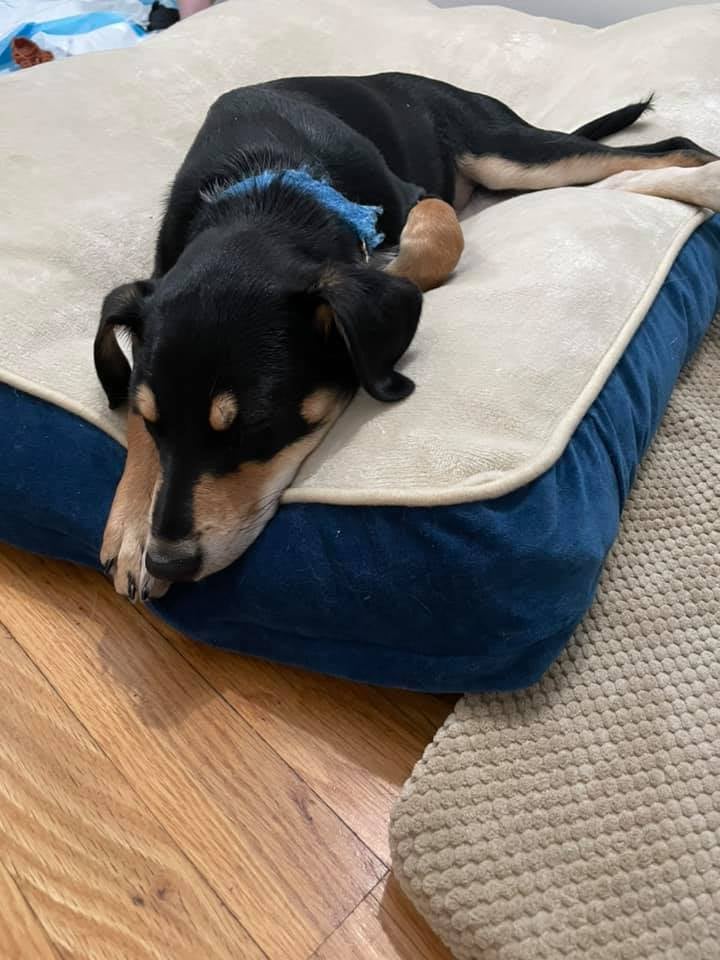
480, 596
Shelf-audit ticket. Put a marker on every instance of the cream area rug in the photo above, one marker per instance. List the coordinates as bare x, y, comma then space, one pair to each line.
581, 818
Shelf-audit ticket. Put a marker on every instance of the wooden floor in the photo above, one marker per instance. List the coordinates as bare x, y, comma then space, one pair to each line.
162, 800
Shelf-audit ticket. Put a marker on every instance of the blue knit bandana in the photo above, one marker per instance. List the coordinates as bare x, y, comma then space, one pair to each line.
362, 219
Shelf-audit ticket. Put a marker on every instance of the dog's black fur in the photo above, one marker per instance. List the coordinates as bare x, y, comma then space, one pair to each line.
232, 305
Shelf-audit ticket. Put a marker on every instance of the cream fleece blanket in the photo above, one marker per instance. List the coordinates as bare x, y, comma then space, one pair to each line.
510, 354
580, 819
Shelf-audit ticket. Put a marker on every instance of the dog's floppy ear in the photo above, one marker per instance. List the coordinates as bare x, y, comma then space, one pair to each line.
376, 315
122, 308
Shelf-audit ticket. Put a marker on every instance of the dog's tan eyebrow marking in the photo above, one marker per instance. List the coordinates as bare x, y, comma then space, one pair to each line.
146, 403
223, 410
318, 405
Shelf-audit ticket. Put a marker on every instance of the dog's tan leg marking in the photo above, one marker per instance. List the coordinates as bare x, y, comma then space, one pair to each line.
128, 526
430, 245
496, 173
700, 186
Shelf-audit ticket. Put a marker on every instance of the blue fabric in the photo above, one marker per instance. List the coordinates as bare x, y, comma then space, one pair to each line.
473, 597
70, 26
362, 219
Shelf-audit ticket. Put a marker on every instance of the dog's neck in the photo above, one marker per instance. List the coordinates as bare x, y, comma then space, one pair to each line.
292, 201
362, 219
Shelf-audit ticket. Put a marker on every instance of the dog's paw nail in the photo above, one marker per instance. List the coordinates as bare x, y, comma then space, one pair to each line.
145, 593
131, 587
107, 567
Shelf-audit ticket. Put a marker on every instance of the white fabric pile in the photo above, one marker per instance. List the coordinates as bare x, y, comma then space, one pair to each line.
69, 27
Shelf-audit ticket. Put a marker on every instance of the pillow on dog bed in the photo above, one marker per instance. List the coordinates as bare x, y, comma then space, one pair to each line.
449, 542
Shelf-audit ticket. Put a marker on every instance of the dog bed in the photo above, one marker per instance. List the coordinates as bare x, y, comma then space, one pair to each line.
581, 818
455, 540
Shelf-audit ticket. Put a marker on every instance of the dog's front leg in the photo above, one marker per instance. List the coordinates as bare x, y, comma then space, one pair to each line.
128, 526
430, 245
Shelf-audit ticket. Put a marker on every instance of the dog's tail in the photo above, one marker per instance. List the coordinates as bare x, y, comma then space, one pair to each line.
615, 121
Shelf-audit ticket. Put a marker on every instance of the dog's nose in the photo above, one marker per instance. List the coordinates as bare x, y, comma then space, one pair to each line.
170, 562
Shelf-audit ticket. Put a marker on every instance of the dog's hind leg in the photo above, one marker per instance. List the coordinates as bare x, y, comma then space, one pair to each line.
431, 244
520, 157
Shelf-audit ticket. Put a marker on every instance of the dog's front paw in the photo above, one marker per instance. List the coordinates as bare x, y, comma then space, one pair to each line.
123, 558
128, 527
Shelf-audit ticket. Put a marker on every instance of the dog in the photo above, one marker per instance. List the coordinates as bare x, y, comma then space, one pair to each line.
265, 311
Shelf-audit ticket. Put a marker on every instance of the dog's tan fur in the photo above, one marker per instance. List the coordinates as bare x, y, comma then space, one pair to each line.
431, 245
223, 410
251, 495
128, 526
245, 493
324, 319
319, 406
497, 173
146, 404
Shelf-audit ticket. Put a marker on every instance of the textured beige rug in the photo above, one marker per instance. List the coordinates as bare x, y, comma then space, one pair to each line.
581, 819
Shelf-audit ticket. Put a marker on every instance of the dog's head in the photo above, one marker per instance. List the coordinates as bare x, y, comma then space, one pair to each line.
243, 358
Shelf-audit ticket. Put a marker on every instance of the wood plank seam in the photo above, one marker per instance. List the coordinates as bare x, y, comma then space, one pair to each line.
263, 738
377, 723
8, 877
325, 907
369, 895
148, 811
36, 918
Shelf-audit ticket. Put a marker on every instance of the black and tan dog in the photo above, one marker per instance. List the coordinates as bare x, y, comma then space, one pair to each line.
263, 314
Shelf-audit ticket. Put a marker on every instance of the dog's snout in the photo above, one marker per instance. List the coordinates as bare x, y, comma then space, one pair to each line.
175, 562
